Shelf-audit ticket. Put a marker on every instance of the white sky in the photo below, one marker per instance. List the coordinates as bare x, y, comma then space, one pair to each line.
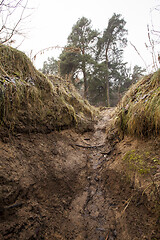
52, 22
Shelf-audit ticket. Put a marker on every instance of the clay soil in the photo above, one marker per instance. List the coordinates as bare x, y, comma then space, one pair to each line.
62, 185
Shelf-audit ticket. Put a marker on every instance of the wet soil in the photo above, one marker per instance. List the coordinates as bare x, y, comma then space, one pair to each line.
60, 186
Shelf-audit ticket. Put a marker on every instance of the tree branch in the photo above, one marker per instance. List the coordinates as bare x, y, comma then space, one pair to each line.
7, 11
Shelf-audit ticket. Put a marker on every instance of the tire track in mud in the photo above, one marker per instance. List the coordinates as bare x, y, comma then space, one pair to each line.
108, 208
97, 208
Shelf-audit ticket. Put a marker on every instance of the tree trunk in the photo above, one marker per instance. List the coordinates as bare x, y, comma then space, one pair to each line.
85, 83
84, 74
119, 95
107, 80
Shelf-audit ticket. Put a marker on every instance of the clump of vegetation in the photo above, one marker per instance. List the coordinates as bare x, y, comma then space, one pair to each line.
139, 110
143, 163
31, 101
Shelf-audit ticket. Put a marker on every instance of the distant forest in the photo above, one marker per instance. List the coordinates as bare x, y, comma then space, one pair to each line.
94, 62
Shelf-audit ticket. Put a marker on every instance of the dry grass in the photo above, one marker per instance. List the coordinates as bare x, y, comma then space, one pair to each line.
139, 111
30, 101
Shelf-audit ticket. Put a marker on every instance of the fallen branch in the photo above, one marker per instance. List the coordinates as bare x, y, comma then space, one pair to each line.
106, 153
82, 146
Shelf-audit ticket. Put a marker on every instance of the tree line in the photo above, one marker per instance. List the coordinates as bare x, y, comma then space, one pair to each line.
94, 61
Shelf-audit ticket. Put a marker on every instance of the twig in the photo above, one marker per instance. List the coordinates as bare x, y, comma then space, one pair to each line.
66, 49
128, 202
139, 55
13, 206
147, 188
153, 50
78, 145
107, 236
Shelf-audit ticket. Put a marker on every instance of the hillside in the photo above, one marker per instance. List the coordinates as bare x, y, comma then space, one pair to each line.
30, 101
139, 111
71, 171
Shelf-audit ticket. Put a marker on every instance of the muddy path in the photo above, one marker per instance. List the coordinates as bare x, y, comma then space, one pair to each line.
59, 186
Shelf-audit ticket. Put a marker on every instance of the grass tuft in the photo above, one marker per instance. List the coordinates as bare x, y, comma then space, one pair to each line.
139, 111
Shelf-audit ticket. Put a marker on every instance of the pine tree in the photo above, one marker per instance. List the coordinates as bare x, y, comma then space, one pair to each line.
84, 38
50, 66
112, 41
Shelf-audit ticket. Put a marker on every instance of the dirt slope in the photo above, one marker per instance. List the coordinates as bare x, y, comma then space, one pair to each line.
33, 102
66, 185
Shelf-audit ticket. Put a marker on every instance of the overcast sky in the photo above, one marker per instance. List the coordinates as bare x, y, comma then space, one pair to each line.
52, 22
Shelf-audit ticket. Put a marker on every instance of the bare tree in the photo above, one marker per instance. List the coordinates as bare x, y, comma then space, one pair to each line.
153, 41
13, 14
154, 35
155, 30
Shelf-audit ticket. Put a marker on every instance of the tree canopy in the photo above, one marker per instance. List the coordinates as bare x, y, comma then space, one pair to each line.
96, 59
50, 66
84, 38
110, 51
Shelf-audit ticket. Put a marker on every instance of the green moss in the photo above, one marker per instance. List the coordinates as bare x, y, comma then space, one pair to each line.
135, 162
142, 163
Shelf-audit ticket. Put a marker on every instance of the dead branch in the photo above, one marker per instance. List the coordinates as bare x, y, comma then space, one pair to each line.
139, 55
82, 146
66, 49
153, 50
10, 22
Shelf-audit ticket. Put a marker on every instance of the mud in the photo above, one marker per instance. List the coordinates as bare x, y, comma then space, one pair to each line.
59, 186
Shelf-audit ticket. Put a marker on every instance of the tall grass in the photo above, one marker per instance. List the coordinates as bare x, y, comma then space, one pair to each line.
139, 110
